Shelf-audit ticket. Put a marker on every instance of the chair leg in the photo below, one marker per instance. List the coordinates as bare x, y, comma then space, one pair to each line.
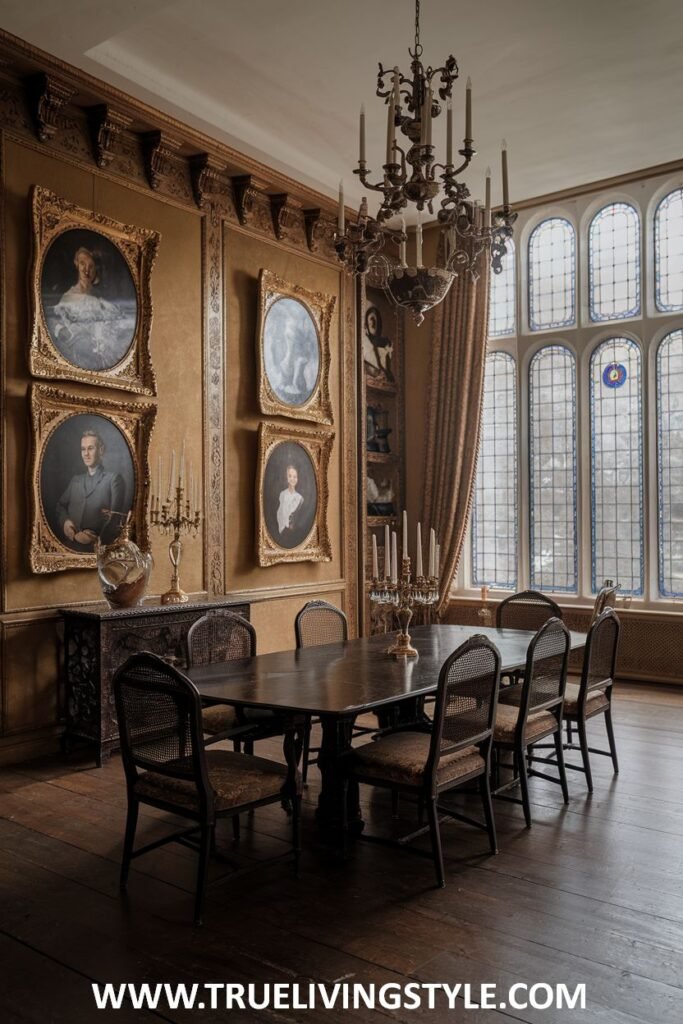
235, 826
569, 731
420, 810
202, 871
394, 803
520, 762
559, 754
296, 833
610, 737
237, 746
585, 756
248, 746
306, 751
131, 825
485, 789
435, 836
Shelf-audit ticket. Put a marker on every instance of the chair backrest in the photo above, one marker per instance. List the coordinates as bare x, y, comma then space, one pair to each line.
527, 610
545, 676
160, 721
220, 636
319, 623
600, 654
605, 598
466, 698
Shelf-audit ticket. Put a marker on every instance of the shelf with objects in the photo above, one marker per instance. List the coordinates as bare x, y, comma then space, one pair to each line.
382, 475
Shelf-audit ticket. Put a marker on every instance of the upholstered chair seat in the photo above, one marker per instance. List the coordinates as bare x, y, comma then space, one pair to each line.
219, 718
402, 757
595, 701
540, 723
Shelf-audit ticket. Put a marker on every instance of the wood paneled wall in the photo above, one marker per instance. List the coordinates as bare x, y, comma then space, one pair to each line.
221, 219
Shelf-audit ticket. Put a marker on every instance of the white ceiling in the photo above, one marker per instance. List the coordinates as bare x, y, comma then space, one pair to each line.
581, 89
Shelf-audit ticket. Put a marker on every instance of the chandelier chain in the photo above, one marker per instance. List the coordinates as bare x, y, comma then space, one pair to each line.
418, 45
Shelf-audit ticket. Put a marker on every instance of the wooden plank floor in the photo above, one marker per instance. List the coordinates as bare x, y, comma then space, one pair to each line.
592, 893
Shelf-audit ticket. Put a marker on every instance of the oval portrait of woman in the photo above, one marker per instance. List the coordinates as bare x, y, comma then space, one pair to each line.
290, 494
89, 300
86, 471
291, 351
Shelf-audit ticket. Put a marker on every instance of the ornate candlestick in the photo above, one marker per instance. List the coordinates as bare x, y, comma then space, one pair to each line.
173, 517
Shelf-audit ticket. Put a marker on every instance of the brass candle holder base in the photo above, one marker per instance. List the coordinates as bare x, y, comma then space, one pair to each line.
403, 648
176, 596
175, 519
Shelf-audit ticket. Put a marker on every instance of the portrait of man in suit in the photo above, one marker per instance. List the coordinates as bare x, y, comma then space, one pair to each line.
82, 510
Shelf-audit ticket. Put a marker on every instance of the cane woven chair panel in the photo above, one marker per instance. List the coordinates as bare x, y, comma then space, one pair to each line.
320, 624
469, 693
527, 610
548, 675
218, 637
602, 651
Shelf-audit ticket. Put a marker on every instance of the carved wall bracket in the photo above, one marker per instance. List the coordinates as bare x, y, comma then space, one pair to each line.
206, 172
244, 191
158, 149
313, 226
105, 125
281, 213
48, 95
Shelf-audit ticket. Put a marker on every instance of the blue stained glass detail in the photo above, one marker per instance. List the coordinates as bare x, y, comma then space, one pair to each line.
616, 418
552, 275
668, 246
614, 375
670, 463
494, 510
614, 263
553, 534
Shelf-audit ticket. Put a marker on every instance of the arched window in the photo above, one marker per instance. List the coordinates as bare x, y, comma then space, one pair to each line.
552, 275
617, 465
502, 305
552, 470
670, 463
669, 252
494, 514
614, 263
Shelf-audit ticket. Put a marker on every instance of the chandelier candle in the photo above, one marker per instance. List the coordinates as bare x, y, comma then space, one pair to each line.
412, 178
400, 594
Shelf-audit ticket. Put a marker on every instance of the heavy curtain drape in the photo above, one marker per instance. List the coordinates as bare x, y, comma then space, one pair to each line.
454, 407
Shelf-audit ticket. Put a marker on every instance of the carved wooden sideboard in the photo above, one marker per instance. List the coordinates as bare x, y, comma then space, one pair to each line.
97, 640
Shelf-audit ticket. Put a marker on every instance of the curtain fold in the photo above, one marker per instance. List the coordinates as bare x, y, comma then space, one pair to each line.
454, 409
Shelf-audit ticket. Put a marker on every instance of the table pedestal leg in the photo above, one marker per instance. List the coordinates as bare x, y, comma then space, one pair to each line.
336, 740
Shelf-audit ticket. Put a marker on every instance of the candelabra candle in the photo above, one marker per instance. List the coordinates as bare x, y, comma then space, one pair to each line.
399, 595
174, 516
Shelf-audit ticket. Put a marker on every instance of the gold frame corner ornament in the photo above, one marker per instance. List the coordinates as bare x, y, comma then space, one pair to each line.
51, 216
320, 307
317, 443
50, 407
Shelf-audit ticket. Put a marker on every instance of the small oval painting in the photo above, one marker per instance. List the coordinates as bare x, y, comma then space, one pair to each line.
290, 494
291, 351
89, 299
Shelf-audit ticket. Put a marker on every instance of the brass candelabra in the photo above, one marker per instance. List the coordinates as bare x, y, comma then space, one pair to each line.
399, 595
174, 516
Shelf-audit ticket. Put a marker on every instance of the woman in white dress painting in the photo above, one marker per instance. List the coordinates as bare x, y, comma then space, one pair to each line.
90, 331
290, 501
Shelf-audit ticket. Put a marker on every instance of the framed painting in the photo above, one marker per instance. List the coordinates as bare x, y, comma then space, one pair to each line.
91, 296
294, 350
292, 495
89, 469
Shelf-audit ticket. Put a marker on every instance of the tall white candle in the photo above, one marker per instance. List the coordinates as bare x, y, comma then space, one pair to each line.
428, 118
449, 133
487, 208
387, 554
394, 558
181, 478
403, 244
375, 563
405, 534
504, 164
437, 560
391, 129
159, 484
468, 110
171, 476
340, 218
362, 134
432, 553
418, 241
418, 563
190, 495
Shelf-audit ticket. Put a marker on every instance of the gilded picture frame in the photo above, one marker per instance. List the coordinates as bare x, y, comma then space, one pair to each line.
91, 300
87, 453
293, 346
292, 494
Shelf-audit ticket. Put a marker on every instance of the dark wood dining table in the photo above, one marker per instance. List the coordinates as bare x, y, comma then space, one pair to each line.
339, 682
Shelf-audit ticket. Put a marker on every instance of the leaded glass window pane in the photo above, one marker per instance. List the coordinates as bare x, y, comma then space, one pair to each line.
494, 515
617, 465
502, 303
552, 470
552, 275
670, 463
614, 263
669, 252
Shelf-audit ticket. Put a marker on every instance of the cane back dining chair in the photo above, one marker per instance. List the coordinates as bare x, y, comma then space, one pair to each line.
167, 765
605, 598
218, 636
532, 711
529, 609
592, 695
457, 749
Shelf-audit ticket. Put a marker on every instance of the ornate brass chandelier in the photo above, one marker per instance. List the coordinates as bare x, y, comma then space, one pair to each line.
413, 177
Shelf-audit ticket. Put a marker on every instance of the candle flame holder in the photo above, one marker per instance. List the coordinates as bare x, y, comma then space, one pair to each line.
173, 517
400, 596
